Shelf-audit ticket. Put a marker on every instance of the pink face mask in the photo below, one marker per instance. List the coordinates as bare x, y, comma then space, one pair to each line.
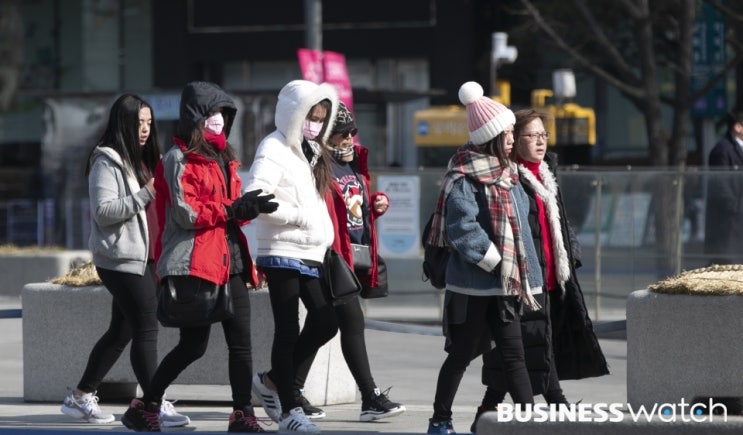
214, 123
310, 129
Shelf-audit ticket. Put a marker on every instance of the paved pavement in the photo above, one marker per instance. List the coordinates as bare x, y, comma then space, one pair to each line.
404, 357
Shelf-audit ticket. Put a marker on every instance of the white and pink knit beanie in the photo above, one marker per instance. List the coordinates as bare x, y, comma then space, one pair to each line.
486, 118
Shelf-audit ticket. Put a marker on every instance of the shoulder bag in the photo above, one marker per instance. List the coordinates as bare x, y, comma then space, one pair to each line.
188, 301
342, 283
382, 288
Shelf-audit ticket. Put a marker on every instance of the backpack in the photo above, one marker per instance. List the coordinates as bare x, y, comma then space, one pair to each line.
435, 259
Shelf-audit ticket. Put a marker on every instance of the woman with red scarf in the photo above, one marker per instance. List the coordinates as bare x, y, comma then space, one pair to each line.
561, 328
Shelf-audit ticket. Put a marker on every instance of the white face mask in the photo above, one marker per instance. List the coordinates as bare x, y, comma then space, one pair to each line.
214, 123
310, 129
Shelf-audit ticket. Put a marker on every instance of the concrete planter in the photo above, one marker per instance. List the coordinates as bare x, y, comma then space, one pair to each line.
18, 269
683, 347
61, 324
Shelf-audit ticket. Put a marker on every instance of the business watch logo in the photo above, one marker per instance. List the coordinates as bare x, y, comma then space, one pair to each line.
612, 412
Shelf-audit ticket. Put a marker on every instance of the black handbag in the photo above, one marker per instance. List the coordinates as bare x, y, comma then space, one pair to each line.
381, 290
342, 283
188, 301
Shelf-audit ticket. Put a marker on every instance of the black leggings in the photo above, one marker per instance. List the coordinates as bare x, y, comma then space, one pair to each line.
353, 344
465, 344
286, 287
133, 320
194, 341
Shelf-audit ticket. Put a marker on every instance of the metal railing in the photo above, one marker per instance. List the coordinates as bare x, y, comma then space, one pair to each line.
635, 227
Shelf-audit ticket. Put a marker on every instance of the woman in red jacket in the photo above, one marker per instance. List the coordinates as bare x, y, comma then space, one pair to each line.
200, 212
353, 210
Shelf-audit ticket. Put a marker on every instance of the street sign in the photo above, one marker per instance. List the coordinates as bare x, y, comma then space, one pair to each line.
708, 59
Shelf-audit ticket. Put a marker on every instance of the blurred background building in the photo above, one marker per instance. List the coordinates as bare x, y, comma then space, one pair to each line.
63, 62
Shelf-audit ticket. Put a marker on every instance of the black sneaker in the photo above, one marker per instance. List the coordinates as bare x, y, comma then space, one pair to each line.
377, 405
440, 427
480, 410
311, 412
142, 418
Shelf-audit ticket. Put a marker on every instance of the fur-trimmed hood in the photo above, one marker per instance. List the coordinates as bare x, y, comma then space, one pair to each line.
296, 99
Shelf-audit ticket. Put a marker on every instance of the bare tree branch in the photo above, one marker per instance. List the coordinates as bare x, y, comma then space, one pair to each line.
721, 75
598, 30
729, 13
633, 10
631, 91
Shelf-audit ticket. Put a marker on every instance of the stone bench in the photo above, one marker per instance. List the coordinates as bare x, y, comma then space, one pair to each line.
18, 269
683, 347
61, 324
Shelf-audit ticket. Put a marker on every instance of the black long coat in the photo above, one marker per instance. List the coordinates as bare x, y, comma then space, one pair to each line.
723, 235
562, 325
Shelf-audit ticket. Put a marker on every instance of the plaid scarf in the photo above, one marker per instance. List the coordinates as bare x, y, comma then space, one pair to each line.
496, 181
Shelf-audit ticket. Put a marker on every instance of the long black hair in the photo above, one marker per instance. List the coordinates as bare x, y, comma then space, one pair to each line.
122, 135
322, 170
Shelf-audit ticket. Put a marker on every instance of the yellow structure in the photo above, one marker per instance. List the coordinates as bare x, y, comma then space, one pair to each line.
446, 126
568, 124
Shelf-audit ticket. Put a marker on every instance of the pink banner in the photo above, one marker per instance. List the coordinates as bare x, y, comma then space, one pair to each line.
310, 62
328, 67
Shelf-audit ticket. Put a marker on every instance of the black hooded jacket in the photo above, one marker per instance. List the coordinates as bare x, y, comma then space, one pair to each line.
199, 100
561, 326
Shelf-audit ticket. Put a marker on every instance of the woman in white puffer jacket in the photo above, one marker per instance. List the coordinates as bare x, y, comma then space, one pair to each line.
291, 164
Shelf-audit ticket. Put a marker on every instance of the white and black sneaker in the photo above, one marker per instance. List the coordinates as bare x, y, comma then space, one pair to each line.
296, 421
376, 406
268, 397
312, 412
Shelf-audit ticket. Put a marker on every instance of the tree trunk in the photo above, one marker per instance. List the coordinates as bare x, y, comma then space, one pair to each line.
11, 51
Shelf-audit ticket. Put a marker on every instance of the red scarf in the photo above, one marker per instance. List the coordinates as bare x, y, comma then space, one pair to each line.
550, 277
218, 141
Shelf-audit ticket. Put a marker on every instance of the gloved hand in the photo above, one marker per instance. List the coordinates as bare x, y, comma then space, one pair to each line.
250, 205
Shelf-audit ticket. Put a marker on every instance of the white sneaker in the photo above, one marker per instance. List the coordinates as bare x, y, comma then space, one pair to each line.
170, 418
268, 397
296, 421
85, 407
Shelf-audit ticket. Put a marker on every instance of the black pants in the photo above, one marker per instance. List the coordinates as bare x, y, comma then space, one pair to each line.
496, 393
286, 287
133, 320
350, 319
554, 394
193, 343
465, 339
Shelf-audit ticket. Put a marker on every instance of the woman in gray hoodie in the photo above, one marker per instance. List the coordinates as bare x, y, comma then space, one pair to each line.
123, 227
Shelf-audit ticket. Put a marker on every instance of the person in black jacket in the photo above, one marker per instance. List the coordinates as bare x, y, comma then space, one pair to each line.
723, 235
559, 339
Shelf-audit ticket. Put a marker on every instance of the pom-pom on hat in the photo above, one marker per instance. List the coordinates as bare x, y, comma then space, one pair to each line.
486, 118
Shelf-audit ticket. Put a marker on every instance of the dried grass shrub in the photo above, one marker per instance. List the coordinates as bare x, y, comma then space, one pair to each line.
80, 276
716, 280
